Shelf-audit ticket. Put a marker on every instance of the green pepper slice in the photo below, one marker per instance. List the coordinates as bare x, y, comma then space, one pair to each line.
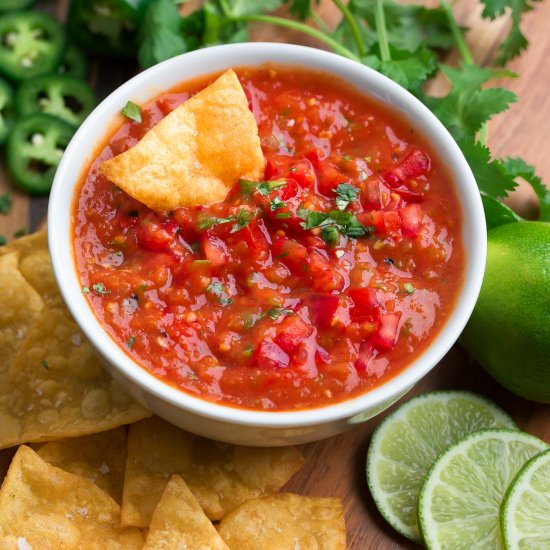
106, 27
34, 149
63, 96
74, 63
31, 44
15, 5
6, 109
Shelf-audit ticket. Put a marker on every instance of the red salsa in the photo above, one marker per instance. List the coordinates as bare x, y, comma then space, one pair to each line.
312, 286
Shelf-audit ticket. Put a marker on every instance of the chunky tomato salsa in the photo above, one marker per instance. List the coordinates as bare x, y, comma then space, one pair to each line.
316, 284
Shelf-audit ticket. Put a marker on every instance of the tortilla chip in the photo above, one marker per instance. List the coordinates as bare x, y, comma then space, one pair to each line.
101, 458
57, 388
45, 508
196, 153
179, 522
221, 476
20, 305
286, 522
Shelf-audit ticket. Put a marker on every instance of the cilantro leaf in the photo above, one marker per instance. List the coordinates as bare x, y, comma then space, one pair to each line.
132, 111
497, 213
131, 341
242, 219
515, 42
516, 167
208, 222
276, 204
263, 187
491, 177
345, 194
99, 288
345, 222
218, 290
467, 106
5, 204
301, 8
276, 312
160, 35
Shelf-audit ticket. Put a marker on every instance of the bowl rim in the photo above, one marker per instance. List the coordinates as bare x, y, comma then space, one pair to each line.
253, 54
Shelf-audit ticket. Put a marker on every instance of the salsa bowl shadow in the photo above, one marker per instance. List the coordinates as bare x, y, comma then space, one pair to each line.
218, 421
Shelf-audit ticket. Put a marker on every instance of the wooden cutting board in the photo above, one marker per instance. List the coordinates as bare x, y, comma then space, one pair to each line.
336, 466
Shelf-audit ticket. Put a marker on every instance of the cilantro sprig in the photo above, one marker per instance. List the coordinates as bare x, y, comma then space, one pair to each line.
240, 220
333, 224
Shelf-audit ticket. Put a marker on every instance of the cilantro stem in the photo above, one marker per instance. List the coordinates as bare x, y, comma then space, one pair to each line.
301, 27
320, 22
457, 33
354, 27
382, 31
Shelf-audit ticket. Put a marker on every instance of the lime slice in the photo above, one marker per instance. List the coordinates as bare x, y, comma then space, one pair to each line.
407, 442
525, 511
460, 500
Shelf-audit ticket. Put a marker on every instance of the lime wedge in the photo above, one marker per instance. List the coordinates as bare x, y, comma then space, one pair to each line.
406, 443
460, 500
525, 511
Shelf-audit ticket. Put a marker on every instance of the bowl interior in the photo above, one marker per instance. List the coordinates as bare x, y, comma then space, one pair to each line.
154, 81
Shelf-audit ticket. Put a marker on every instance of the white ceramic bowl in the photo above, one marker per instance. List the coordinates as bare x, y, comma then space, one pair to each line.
223, 422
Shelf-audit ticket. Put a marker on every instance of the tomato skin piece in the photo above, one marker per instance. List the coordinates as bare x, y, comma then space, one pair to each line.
324, 278
254, 235
325, 309
411, 220
365, 302
386, 222
291, 253
214, 250
328, 178
270, 355
292, 332
386, 335
301, 171
155, 237
417, 163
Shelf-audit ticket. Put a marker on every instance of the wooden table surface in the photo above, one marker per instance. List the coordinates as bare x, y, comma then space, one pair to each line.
335, 467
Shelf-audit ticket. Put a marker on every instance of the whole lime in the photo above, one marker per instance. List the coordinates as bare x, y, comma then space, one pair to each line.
509, 331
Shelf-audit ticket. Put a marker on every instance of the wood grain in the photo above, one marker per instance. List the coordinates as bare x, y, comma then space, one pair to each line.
336, 466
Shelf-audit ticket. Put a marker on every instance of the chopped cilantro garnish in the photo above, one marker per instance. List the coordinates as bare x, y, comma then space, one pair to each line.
330, 234
409, 288
219, 291
248, 350
132, 111
45, 364
130, 343
275, 312
276, 204
20, 232
99, 288
242, 219
85, 290
345, 222
263, 187
283, 215
345, 194
347, 158
5, 203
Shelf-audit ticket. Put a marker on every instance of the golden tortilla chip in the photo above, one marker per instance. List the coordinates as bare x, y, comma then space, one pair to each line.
45, 508
20, 305
57, 387
179, 522
286, 522
35, 265
221, 476
101, 458
194, 154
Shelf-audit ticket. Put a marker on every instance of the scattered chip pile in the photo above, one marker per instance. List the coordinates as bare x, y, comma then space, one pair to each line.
98, 484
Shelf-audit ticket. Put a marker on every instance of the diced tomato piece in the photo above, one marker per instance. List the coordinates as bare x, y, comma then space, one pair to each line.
315, 156
154, 236
411, 220
289, 191
292, 253
292, 332
301, 171
409, 196
386, 223
256, 237
328, 178
372, 194
322, 356
417, 163
386, 335
366, 353
365, 300
214, 249
270, 355
324, 277
325, 307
